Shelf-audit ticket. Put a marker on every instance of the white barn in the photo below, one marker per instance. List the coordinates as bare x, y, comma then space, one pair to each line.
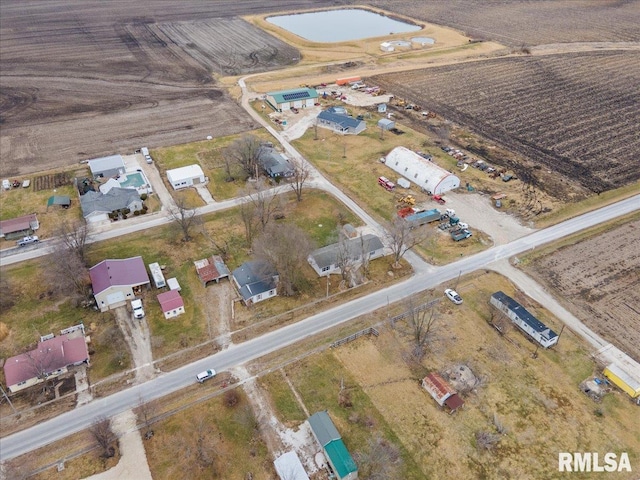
422, 172
184, 177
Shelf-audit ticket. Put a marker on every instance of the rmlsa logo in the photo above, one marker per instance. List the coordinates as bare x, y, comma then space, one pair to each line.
591, 462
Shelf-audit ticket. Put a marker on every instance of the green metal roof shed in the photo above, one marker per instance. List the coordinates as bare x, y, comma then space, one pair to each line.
62, 200
336, 451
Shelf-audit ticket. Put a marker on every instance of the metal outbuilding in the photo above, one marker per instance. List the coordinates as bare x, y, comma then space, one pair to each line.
184, 177
422, 172
623, 380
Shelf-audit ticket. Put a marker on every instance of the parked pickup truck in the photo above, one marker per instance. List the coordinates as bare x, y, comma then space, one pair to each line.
461, 234
28, 240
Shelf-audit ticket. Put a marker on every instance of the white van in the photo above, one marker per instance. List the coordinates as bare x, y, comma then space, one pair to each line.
145, 152
206, 375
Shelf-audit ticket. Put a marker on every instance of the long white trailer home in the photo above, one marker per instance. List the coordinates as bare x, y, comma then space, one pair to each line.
524, 320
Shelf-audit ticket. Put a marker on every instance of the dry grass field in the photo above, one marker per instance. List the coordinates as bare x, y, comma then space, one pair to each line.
518, 22
582, 125
83, 81
602, 287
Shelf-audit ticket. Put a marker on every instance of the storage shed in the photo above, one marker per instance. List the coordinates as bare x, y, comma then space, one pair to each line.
386, 124
339, 458
425, 174
283, 100
59, 200
624, 381
211, 269
184, 177
442, 392
171, 304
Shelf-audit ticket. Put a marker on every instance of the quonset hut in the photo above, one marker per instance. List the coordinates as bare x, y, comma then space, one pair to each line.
424, 173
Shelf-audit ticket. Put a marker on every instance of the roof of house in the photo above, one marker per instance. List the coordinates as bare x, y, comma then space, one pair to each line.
327, 256
342, 120
17, 224
275, 163
108, 185
211, 269
340, 458
190, 171
524, 314
292, 95
119, 272
112, 163
170, 300
437, 387
49, 356
254, 278
58, 200
323, 428
114, 199
337, 109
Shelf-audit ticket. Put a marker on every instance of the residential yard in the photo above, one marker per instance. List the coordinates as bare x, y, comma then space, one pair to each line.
535, 402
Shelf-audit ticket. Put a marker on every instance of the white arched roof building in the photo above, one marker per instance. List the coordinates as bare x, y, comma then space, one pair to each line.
422, 172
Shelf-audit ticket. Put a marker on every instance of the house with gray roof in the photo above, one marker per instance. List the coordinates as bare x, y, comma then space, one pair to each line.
275, 164
340, 122
255, 281
96, 206
339, 458
326, 260
106, 167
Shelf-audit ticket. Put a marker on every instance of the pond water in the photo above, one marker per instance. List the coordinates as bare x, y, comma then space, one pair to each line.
341, 25
423, 40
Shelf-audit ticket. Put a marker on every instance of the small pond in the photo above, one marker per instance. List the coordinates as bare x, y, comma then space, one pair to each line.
341, 25
423, 40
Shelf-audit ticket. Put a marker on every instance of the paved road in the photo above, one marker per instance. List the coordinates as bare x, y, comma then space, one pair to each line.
82, 417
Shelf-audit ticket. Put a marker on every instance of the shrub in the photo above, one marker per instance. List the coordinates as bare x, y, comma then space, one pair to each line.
143, 197
136, 213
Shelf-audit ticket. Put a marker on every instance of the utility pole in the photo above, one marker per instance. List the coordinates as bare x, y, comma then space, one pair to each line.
457, 280
5, 396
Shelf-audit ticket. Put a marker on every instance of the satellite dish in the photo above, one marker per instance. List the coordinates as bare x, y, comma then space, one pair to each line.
209, 137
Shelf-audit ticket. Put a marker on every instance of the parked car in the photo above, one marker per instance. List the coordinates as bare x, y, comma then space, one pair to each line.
206, 375
138, 311
28, 240
453, 296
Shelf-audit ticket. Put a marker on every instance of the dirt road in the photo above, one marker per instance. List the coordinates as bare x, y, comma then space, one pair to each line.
136, 334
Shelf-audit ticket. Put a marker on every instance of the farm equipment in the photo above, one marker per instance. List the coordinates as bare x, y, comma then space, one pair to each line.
460, 234
407, 200
422, 218
386, 183
439, 199
406, 211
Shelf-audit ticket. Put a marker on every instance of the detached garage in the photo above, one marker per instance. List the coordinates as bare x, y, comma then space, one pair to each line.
184, 177
297, 98
424, 173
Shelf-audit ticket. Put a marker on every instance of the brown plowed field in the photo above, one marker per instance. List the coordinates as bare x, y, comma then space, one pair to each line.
600, 277
574, 114
80, 80
518, 22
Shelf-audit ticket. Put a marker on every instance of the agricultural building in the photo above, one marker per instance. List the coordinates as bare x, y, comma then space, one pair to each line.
284, 100
255, 281
623, 380
59, 200
106, 167
50, 359
116, 281
211, 269
386, 124
423, 173
442, 392
327, 260
19, 227
340, 123
289, 467
524, 320
96, 206
171, 304
334, 448
184, 177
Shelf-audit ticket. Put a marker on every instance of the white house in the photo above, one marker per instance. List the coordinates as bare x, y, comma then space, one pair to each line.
184, 177
524, 320
255, 281
326, 260
422, 172
171, 304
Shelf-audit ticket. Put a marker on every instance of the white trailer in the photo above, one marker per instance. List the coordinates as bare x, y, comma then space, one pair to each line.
156, 274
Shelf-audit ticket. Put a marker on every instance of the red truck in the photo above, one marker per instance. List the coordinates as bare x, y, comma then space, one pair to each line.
386, 183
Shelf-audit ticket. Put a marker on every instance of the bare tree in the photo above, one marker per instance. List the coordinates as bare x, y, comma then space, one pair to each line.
40, 364
146, 411
380, 460
66, 268
401, 239
74, 236
104, 436
285, 247
486, 440
365, 255
206, 449
301, 173
7, 299
344, 262
185, 217
421, 320
245, 152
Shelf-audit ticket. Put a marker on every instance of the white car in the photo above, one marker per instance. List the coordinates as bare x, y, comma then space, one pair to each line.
28, 240
453, 296
206, 375
138, 311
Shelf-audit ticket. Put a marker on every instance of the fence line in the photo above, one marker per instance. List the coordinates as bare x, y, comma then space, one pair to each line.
350, 338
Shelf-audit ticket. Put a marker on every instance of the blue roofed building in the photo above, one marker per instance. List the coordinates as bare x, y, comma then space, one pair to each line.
340, 122
524, 319
283, 100
339, 458
255, 281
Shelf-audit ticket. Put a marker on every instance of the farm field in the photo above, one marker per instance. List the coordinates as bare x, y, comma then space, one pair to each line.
602, 287
518, 22
581, 125
78, 83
